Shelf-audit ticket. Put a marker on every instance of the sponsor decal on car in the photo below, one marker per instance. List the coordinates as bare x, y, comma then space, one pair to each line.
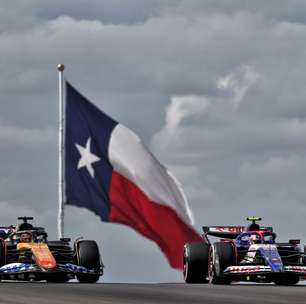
247, 269
17, 267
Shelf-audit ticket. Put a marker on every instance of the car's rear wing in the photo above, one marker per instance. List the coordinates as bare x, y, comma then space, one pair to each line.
228, 232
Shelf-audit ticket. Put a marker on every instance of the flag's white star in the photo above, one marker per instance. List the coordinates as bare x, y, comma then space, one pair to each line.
87, 158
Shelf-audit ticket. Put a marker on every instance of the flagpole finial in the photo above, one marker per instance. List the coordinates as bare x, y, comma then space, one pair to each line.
60, 67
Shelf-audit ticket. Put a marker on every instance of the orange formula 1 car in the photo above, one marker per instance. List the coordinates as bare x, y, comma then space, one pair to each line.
26, 254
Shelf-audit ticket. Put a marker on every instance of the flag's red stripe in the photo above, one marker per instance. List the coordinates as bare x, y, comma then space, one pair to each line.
158, 222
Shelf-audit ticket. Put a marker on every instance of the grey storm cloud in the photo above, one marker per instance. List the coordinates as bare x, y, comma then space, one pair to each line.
215, 88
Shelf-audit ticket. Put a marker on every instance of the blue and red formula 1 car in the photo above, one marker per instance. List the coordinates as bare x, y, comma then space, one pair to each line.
244, 254
26, 254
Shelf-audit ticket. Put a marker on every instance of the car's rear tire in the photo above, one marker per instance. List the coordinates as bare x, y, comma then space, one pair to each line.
195, 261
287, 280
87, 253
222, 255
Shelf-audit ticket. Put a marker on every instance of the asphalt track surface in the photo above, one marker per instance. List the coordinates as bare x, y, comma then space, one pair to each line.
72, 293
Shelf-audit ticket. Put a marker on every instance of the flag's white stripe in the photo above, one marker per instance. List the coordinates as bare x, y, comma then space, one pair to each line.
130, 158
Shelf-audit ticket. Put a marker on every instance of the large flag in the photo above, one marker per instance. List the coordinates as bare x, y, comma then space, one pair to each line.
110, 171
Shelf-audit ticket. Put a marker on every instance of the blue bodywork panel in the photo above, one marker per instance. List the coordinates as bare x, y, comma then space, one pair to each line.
22, 267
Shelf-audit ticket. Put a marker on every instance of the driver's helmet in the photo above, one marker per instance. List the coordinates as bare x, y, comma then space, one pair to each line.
25, 237
253, 227
25, 226
245, 240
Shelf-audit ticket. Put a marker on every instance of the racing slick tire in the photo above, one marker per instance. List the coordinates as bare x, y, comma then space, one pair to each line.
195, 262
287, 280
87, 253
222, 255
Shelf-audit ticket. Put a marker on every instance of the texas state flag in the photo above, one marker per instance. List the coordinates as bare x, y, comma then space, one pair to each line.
111, 172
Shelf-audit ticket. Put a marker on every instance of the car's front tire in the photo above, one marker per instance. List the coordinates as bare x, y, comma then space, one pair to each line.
222, 255
195, 259
88, 255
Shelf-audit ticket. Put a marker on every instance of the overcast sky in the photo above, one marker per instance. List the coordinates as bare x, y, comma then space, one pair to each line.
216, 89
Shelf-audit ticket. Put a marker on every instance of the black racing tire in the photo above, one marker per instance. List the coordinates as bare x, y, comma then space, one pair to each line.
222, 256
2, 253
88, 255
195, 261
287, 280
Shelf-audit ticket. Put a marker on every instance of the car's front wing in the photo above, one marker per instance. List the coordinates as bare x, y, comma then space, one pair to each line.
261, 269
15, 268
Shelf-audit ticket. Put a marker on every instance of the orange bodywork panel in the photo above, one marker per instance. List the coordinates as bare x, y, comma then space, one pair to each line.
41, 252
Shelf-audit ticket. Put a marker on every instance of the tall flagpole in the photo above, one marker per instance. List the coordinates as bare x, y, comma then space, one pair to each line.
60, 68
